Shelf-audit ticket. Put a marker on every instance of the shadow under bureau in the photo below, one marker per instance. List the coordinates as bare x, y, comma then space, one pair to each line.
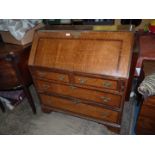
82, 73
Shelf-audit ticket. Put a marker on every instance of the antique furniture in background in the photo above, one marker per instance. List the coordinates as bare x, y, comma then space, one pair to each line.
146, 43
146, 62
146, 117
83, 73
14, 73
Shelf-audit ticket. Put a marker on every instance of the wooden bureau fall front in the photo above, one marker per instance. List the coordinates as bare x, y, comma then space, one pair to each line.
82, 73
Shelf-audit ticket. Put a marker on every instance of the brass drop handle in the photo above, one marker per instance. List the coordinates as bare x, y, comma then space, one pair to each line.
82, 81
72, 87
45, 86
107, 84
76, 101
105, 114
41, 73
62, 77
105, 99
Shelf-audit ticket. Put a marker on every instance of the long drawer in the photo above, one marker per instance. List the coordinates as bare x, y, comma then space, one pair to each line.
146, 123
86, 94
148, 111
80, 108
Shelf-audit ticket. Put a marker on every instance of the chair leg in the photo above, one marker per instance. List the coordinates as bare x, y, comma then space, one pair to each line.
30, 99
2, 106
26, 89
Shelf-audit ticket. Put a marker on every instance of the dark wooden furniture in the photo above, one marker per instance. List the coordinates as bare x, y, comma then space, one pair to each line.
146, 43
14, 73
82, 73
146, 61
146, 117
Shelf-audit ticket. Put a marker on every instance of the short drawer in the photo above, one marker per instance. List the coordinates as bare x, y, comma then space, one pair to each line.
80, 108
49, 75
86, 94
96, 82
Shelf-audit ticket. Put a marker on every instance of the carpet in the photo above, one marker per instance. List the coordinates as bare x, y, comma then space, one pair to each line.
21, 121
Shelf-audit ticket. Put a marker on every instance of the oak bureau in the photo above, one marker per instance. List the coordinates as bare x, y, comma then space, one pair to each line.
82, 73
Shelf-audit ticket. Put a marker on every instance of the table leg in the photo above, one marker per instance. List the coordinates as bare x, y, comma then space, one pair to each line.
15, 62
2, 106
30, 99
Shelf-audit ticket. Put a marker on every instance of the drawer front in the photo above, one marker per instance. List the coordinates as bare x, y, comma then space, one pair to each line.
8, 77
146, 123
80, 108
91, 95
51, 76
101, 83
148, 111
150, 101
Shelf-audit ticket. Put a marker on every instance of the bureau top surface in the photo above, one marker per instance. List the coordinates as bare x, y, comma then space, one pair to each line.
103, 53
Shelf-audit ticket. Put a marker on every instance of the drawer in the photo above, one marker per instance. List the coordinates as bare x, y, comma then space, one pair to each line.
51, 75
86, 94
80, 108
144, 122
148, 111
96, 82
150, 101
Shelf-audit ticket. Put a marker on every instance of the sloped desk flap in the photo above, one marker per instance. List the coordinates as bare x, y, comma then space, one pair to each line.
105, 53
